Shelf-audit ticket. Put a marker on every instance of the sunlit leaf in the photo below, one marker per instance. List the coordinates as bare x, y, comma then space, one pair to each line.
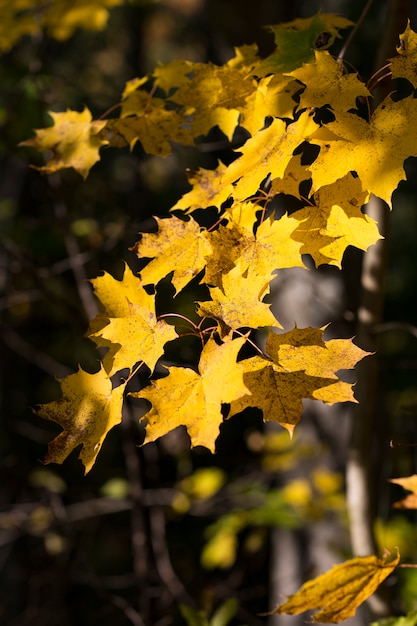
338, 593
87, 411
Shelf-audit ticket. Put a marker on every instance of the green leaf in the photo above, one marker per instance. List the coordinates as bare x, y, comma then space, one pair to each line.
297, 40
405, 620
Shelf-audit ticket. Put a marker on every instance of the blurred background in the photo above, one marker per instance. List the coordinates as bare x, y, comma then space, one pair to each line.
163, 535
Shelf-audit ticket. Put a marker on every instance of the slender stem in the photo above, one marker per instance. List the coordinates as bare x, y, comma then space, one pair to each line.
110, 110
133, 372
252, 343
183, 317
379, 80
381, 69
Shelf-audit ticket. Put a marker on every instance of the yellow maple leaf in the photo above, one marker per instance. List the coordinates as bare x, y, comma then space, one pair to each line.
278, 393
404, 65
139, 334
115, 295
339, 592
172, 75
177, 246
226, 247
327, 83
304, 349
335, 392
17, 20
87, 411
194, 400
267, 152
63, 18
375, 151
146, 119
410, 484
246, 57
74, 140
239, 304
214, 96
207, 189
272, 248
295, 173
336, 222
274, 96
129, 326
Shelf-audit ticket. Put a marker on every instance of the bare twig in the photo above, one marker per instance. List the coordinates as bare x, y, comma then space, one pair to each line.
74, 253
162, 560
137, 515
355, 29
45, 362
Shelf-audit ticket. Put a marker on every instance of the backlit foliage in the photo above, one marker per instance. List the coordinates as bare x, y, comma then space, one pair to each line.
310, 134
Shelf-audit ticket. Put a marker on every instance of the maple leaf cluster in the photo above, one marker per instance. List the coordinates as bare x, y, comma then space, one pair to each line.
59, 18
296, 99
279, 101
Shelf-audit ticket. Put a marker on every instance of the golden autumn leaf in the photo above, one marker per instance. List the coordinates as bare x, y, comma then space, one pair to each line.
60, 18
115, 295
272, 248
17, 20
410, 484
336, 222
177, 246
246, 58
87, 411
277, 392
226, 247
146, 119
404, 65
338, 593
267, 152
295, 173
139, 334
304, 349
129, 326
327, 83
194, 399
274, 95
63, 18
239, 304
301, 365
207, 190
172, 75
74, 140
375, 151
213, 96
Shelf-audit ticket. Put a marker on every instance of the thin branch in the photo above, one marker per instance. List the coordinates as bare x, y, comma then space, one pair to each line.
360, 471
404, 326
355, 30
162, 559
74, 253
137, 515
43, 361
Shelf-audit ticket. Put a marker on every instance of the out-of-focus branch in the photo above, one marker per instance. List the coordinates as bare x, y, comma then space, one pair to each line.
45, 362
359, 474
139, 535
74, 254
